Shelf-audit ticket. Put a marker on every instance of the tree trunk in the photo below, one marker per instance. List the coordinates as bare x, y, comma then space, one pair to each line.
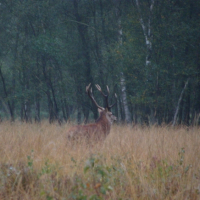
27, 111
37, 109
52, 103
121, 110
187, 108
37, 95
178, 104
146, 27
124, 99
6, 95
83, 33
122, 77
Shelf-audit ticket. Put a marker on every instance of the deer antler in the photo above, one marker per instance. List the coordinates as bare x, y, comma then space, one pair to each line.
106, 96
99, 88
90, 94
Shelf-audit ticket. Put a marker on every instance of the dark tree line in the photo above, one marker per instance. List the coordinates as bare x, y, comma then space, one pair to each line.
148, 52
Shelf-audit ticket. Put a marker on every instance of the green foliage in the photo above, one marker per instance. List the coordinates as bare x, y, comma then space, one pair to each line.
181, 155
50, 50
30, 159
100, 175
47, 169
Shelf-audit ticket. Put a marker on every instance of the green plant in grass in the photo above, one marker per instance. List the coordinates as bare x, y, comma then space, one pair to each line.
99, 175
30, 159
48, 168
95, 183
181, 156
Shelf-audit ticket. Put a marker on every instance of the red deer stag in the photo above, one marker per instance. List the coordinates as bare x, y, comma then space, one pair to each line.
101, 128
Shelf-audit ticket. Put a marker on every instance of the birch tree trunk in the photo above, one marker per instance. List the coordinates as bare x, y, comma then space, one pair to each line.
147, 31
178, 104
124, 99
146, 27
122, 78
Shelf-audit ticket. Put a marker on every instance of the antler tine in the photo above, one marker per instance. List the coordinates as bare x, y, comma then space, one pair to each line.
108, 89
87, 88
105, 96
109, 107
100, 90
90, 94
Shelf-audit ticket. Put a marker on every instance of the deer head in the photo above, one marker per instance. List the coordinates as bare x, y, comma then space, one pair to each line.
103, 111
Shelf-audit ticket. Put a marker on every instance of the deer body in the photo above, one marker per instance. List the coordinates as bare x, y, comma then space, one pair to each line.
98, 130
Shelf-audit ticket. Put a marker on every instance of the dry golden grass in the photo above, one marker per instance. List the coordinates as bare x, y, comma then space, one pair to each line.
37, 162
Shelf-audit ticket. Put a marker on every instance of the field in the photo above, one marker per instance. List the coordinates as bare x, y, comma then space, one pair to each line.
37, 162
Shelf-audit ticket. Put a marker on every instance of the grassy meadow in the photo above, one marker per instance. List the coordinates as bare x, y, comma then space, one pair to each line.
37, 162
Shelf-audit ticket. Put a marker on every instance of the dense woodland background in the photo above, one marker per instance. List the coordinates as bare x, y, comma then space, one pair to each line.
146, 51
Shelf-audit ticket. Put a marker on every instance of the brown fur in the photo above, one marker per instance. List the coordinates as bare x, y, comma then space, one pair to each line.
99, 130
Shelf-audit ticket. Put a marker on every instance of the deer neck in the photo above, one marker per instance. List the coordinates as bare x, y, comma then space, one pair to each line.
104, 122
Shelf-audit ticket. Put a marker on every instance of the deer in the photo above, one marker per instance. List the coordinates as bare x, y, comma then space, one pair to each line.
101, 127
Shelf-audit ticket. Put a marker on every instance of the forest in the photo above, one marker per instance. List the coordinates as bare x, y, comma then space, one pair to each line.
146, 51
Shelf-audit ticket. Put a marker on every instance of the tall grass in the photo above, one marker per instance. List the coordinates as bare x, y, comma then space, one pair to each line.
38, 162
